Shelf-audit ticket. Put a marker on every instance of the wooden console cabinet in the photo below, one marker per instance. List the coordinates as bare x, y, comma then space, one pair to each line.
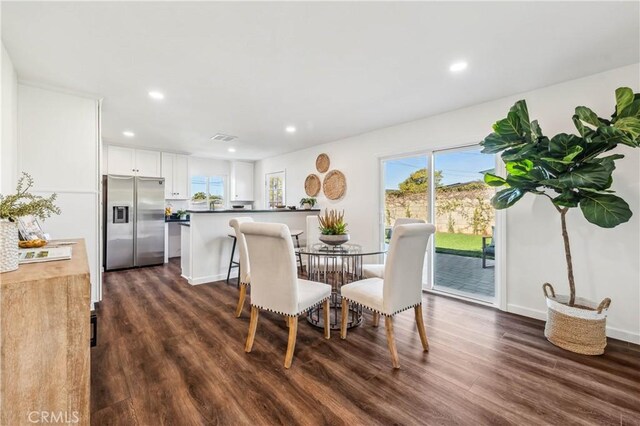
45, 338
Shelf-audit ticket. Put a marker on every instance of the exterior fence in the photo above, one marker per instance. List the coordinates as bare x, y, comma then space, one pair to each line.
461, 208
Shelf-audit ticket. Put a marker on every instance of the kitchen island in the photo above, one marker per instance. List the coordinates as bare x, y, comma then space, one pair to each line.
206, 245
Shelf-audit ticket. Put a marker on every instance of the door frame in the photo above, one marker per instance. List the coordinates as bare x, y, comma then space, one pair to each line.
500, 298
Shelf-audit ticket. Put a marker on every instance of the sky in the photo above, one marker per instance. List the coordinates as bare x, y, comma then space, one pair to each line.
456, 167
216, 185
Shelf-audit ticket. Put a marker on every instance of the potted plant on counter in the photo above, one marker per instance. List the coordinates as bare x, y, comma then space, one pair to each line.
182, 214
571, 172
308, 203
333, 229
22, 203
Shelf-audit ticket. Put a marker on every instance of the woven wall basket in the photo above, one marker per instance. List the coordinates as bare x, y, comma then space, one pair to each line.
312, 185
334, 185
322, 163
8, 246
580, 328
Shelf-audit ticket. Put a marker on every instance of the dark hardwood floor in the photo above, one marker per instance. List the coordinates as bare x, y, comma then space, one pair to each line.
171, 353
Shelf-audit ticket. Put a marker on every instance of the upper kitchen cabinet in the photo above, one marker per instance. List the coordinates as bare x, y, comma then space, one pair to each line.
148, 163
241, 181
175, 171
120, 161
133, 162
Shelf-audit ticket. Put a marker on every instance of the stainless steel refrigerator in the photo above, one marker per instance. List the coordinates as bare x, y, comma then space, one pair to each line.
134, 216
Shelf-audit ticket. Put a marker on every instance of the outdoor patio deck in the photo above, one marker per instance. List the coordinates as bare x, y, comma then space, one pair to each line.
465, 274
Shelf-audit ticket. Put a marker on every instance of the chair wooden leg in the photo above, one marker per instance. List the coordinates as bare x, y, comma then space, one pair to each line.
421, 329
344, 314
376, 319
253, 325
243, 295
391, 342
291, 345
326, 310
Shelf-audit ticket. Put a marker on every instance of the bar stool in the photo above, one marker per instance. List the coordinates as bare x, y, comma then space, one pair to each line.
233, 263
295, 233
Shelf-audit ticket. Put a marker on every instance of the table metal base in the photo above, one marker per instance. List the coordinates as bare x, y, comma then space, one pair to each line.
316, 315
336, 266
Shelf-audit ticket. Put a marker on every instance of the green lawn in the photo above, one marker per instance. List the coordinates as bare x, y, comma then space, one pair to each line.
459, 244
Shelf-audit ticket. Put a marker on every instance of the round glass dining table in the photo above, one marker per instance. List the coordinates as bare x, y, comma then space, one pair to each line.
337, 265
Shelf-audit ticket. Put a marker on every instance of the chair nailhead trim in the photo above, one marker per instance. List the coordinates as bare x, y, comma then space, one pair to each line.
379, 312
289, 315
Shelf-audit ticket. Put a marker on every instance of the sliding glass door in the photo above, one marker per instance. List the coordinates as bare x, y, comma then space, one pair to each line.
464, 219
446, 188
406, 194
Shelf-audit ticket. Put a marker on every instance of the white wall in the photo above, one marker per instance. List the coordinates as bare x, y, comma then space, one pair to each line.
605, 260
208, 167
9, 108
58, 144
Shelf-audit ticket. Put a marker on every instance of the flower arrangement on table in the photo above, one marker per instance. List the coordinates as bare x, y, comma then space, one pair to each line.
333, 228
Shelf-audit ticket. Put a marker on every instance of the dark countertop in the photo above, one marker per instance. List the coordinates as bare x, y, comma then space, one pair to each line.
171, 219
253, 211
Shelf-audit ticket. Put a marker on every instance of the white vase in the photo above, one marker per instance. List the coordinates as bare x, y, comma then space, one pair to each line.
8, 246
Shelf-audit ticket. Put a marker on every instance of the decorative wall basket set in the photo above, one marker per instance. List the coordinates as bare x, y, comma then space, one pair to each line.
334, 184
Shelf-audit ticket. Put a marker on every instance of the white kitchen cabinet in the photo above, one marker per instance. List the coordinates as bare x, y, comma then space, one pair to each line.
132, 162
148, 163
121, 161
175, 171
241, 181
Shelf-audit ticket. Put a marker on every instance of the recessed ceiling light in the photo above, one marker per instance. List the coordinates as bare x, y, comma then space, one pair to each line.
128, 134
290, 129
156, 95
231, 150
458, 66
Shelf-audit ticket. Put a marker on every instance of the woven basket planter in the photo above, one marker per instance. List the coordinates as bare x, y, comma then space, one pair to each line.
580, 328
8, 246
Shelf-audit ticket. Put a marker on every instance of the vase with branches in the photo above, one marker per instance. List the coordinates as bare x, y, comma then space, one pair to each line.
13, 206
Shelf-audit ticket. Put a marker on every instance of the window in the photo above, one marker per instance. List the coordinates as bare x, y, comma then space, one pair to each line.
275, 189
209, 189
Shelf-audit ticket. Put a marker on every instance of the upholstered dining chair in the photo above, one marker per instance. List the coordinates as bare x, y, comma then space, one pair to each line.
275, 285
244, 272
376, 270
401, 287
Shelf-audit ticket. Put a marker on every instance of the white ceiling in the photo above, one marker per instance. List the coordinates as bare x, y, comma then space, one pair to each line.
331, 69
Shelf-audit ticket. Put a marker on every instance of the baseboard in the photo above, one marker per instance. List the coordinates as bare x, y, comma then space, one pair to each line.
209, 279
613, 332
527, 312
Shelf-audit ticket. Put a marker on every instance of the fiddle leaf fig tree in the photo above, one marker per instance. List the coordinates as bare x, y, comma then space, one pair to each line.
570, 170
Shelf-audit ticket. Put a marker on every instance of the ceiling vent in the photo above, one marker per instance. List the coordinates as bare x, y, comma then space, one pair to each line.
223, 138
